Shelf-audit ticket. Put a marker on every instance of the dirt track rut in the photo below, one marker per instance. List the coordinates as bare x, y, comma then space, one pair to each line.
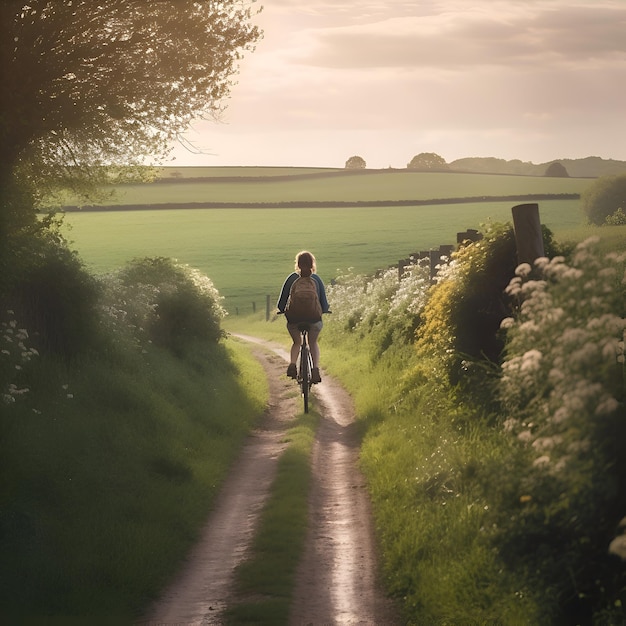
337, 580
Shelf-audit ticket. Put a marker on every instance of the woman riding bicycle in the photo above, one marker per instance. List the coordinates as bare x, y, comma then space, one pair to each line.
304, 268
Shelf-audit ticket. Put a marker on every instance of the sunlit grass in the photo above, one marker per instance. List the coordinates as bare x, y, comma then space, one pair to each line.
243, 250
366, 186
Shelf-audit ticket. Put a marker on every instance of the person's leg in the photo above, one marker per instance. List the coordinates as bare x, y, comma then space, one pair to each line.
295, 347
314, 333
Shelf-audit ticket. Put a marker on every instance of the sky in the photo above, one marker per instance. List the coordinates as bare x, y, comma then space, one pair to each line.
536, 80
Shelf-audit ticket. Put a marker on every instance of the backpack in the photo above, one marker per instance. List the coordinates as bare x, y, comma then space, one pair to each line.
303, 304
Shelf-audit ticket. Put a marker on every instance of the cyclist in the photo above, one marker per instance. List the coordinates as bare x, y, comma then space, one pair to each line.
305, 266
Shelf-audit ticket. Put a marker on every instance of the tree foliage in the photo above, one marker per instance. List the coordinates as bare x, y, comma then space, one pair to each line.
427, 161
88, 84
556, 170
356, 163
604, 198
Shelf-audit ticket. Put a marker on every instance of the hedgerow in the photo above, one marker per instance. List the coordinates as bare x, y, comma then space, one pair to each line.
562, 397
511, 406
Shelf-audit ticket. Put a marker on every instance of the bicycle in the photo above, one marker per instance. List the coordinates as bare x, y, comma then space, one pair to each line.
305, 366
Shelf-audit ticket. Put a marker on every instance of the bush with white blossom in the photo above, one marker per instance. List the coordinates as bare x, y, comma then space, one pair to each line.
383, 305
163, 301
562, 395
15, 355
563, 373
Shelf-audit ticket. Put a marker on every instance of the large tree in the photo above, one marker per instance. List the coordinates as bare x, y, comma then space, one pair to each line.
356, 163
87, 84
427, 161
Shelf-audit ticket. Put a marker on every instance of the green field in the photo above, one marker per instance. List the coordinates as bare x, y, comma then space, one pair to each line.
273, 185
248, 252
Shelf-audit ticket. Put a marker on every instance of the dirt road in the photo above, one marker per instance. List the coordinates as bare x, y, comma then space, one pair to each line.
337, 578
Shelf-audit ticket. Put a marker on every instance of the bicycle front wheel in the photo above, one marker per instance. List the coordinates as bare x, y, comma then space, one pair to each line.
305, 376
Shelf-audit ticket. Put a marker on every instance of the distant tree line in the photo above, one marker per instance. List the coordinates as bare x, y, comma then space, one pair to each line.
589, 167
603, 203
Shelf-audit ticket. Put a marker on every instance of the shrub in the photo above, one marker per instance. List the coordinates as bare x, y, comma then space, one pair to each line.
50, 291
383, 307
604, 198
174, 304
562, 390
466, 306
461, 320
616, 219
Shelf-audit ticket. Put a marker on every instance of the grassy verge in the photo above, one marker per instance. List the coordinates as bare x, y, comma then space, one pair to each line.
264, 582
109, 469
422, 453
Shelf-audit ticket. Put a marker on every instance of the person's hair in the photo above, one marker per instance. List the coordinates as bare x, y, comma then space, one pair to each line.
305, 261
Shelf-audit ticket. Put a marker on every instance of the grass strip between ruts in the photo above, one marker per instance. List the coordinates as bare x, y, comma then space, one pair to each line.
264, 583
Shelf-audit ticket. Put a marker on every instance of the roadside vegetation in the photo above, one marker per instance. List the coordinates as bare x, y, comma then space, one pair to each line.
118, 425
493, 415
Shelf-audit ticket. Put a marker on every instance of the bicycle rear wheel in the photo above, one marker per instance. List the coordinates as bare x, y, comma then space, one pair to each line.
305, 376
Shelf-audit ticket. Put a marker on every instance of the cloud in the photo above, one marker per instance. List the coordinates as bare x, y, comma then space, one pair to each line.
532, 79
495, 34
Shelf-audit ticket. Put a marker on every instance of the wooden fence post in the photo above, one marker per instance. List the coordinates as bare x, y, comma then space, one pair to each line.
401, 264
528, 236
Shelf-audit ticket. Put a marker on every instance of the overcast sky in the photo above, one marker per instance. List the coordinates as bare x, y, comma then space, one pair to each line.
535, 80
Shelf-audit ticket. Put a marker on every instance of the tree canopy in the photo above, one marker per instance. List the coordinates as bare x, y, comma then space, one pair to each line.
427, 161
556, 170
604, 199
356, 163
87, 84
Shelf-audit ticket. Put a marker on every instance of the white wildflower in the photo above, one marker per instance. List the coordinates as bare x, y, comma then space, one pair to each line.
556, 375
561, 414
510, 424
531, 361
547, 443
542, 461
507, 322
607, 406
618, 547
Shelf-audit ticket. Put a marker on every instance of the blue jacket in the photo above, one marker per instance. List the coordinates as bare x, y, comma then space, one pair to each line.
284, 292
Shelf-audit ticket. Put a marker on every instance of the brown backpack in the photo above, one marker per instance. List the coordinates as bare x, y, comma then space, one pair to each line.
303, 304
